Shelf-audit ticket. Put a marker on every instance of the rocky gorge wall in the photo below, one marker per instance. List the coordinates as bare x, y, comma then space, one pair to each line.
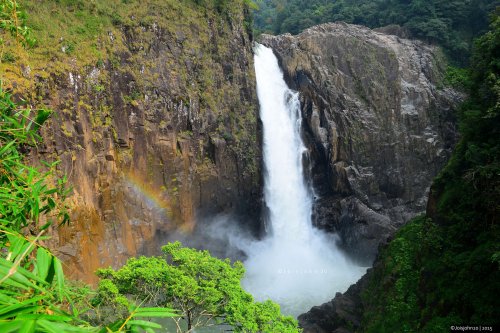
378, 122
156, 132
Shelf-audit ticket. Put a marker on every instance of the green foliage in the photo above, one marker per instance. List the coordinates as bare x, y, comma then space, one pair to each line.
442, 272
24, 194
393, 303
452, 24
33, 292
428, 281
469, 187
206, 291
13, 24
457, 78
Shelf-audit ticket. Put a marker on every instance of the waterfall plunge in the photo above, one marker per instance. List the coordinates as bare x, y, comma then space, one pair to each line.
296, 265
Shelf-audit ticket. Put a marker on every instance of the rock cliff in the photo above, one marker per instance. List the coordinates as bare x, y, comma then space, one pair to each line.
378, 123
156, 131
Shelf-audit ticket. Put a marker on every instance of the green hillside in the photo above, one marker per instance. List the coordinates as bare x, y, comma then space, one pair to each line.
451, 24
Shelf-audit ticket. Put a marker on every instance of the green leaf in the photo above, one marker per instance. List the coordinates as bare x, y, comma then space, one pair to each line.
155, 314
6, 149
38, 316
50, 327
51, 203
43, 262
139, 310
41, 117
11, 282
59, 278
11, 309
4, 299
113, 326
11, 326
28, 326
21, 274
143, 323
16, 277
17, 245
58, 327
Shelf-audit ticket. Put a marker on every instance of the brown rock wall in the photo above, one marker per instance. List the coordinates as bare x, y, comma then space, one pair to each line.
159, 133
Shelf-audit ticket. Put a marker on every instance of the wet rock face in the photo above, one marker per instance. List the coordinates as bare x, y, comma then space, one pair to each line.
155, 137
378, 124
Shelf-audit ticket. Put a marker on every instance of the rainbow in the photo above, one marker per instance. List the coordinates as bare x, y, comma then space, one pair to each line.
153, 197
158, 199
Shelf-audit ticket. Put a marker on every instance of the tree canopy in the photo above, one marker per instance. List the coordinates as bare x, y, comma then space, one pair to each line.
451, 24
206, 290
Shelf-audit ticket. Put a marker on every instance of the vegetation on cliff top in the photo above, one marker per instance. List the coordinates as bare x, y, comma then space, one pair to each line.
443, 269
451, 24
87, 33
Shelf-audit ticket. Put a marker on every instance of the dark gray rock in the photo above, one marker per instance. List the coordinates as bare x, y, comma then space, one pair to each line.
343, 314
378, 124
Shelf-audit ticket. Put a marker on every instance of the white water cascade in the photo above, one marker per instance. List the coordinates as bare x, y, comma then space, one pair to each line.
297, 265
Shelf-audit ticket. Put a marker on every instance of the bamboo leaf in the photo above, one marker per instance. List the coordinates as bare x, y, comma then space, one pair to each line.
139, 310
20, 274
41, 117
26, 303
5, 149
10, 274
155, 314
113, 326
4, 299
48, 326
10, 326
10, 282
20, 311
38, 316
28, 326
43, 262
17, 245
60, 327
143, 323
59, 277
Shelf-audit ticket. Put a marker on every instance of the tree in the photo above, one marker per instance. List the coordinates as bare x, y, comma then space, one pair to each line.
206, 290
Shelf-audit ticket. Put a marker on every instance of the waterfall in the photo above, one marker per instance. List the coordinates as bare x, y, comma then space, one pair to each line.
297, 265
